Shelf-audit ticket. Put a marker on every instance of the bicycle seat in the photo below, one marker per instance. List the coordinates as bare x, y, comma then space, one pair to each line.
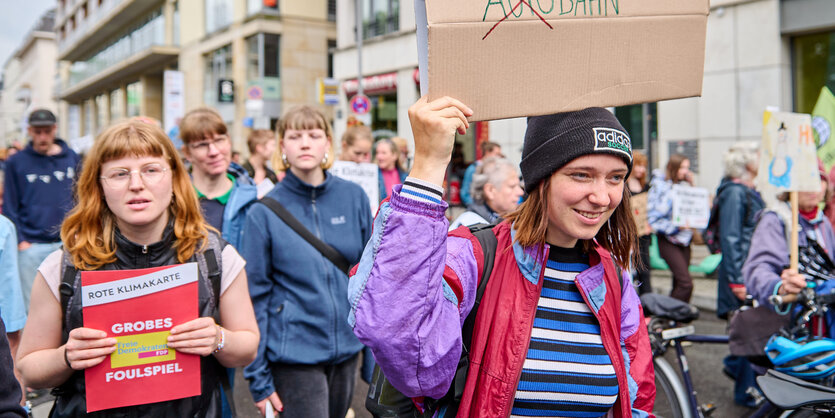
788, 392
667, 307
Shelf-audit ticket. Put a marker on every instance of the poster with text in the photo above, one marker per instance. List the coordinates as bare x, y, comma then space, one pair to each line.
364, 174
691, 206
788, 161
139, 308
638, 203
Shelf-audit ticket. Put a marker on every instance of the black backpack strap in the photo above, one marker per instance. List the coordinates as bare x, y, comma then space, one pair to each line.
489, 243
326, 250
67, 287
489, 246
214, 274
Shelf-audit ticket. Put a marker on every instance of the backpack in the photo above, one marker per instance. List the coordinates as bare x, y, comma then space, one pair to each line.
711, 233
385, 401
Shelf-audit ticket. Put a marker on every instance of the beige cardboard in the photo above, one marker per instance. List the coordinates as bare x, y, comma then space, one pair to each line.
638, 204
603, 53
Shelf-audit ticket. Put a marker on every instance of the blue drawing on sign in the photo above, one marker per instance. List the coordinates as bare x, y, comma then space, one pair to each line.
780, 167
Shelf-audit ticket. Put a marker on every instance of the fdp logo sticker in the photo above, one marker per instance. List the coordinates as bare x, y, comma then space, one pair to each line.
612, 140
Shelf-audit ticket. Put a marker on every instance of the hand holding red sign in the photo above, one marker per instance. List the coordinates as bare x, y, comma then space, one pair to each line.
87, 347
199, 336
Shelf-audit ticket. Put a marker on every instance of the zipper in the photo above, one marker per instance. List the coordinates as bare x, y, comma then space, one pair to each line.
326, 269
144, 249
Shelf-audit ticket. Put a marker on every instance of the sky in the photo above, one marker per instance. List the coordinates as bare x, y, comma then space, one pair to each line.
19, 17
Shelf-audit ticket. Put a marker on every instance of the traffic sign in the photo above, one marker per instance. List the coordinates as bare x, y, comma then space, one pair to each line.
360, 104
255, 93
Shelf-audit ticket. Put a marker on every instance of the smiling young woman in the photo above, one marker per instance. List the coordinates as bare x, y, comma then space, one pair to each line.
559, 330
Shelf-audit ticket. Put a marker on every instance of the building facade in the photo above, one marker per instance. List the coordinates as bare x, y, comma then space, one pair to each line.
28, 80
390, 74
248, 59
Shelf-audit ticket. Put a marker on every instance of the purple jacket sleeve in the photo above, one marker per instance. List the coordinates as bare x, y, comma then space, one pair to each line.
767, 257
403, 305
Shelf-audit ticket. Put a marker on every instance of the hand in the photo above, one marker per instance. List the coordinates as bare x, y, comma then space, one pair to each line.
793, 282
740, 292
434, 125
198, 336
23, 245
274, 399
87, 347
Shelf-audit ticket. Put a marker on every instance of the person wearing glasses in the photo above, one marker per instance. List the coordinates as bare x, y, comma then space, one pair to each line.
135, 210
224, 188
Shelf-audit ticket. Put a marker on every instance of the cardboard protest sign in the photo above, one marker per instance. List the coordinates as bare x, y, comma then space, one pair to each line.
509, 58
138, 308
691, 206
788, 160
364, 174
639, 212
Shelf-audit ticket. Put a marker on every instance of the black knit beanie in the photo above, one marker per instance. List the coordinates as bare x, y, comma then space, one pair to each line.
552, 141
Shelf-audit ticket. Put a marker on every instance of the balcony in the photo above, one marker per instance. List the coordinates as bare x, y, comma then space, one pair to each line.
135, 53
101, 24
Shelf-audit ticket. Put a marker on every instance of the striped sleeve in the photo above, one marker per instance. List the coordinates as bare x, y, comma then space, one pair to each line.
422, 191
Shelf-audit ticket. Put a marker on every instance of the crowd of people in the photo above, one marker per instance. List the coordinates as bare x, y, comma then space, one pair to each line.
314, 286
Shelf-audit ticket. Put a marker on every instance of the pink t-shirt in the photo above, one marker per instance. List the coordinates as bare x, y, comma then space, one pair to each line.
390, 178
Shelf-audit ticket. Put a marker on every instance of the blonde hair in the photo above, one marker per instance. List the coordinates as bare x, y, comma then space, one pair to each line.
89, 229
300, 118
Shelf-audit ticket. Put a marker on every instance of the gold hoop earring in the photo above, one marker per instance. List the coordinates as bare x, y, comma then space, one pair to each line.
325, 160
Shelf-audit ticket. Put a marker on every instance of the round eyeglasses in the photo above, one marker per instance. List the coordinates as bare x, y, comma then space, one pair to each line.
120, 177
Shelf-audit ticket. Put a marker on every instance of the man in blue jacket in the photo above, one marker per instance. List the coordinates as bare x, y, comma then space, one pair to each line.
38, 193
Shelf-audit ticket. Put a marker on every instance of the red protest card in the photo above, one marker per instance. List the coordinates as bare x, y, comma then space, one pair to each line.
139, 308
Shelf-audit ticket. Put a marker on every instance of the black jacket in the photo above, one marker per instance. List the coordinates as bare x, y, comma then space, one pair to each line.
70, 397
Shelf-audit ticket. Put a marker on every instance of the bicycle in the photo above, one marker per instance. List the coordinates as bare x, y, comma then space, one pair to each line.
668, 327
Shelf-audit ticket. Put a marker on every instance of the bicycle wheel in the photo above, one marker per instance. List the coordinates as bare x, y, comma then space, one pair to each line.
671, 399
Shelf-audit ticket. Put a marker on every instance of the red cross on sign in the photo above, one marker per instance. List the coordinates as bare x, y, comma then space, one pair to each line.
360, 104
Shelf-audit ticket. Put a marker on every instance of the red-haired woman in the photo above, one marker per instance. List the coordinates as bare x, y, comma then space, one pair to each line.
136, 209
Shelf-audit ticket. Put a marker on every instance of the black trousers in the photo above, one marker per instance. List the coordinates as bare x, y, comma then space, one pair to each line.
315, 391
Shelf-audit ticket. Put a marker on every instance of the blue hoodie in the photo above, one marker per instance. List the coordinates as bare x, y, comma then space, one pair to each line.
300, 298
39, 192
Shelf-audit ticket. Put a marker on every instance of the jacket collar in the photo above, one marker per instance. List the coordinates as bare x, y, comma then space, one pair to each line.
296, 185
529, 259
128, 253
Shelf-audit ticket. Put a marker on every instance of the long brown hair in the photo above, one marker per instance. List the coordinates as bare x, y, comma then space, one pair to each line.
88, 231
617, 235
673, 165
638, 158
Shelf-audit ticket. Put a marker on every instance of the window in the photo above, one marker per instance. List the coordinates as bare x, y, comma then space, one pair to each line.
134, 96
331, 50
262, 56
218, 65
631, 117
218, 14
254, 7
814, 67
331, 10
117, 110
380, 17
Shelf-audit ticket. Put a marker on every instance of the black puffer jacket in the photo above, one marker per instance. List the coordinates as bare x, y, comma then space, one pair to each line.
70, 397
